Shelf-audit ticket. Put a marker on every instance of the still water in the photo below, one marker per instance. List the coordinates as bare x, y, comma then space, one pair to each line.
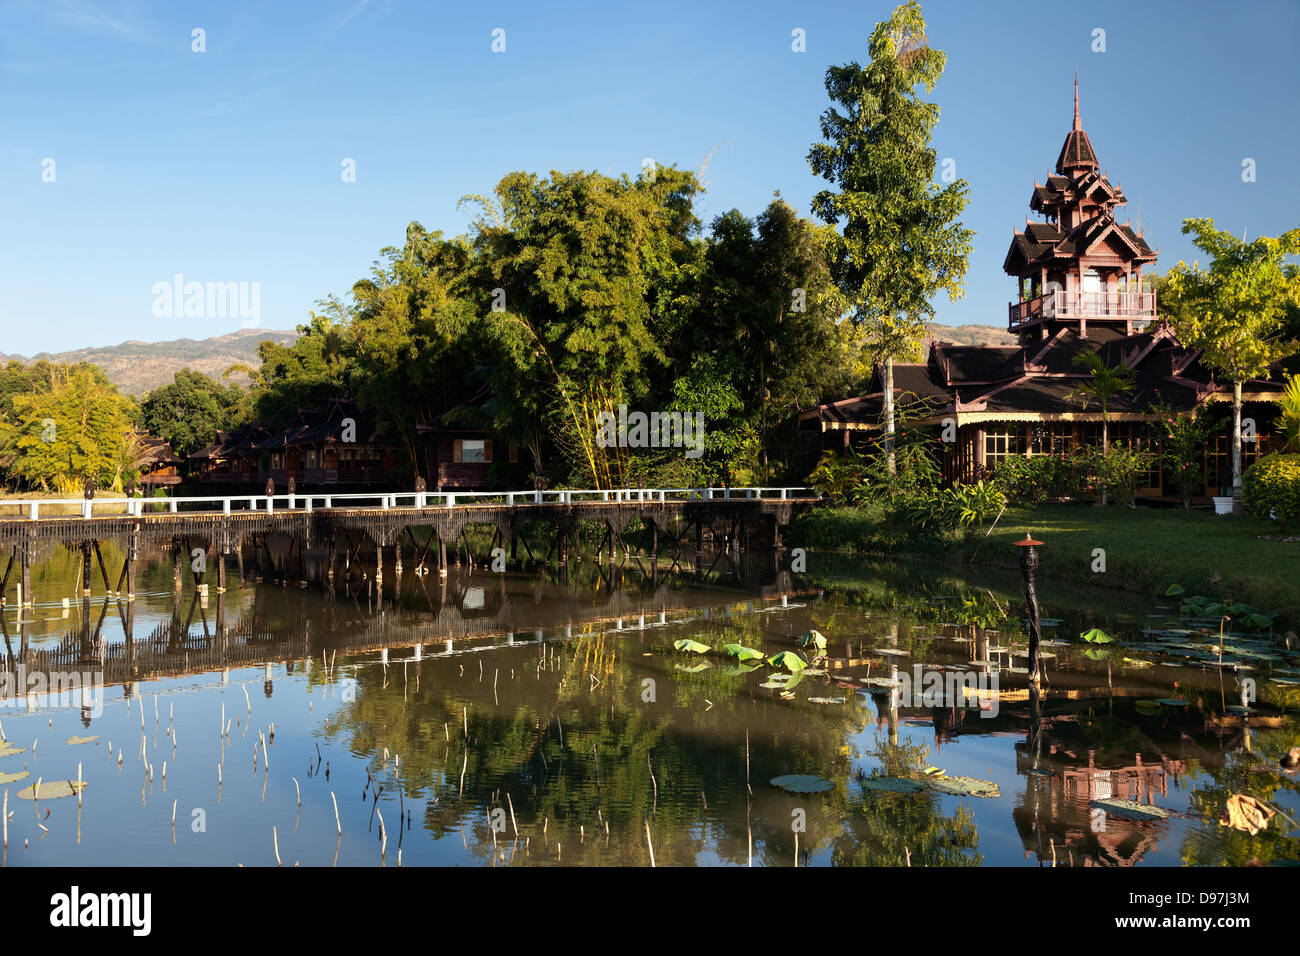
532, 719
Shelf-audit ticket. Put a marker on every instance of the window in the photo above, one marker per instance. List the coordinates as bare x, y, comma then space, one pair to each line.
1050, 438
476, 451
998, 445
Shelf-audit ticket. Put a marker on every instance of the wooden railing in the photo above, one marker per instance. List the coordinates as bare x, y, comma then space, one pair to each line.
1083, 305
317, 501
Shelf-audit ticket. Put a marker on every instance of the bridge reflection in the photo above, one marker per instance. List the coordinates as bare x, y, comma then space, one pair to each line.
276, 618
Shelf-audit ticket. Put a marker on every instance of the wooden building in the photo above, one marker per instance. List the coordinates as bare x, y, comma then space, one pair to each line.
1079, 282
159, 466
460, 455
332, 448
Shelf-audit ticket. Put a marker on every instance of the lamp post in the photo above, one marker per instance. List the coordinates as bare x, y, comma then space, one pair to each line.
1029, 572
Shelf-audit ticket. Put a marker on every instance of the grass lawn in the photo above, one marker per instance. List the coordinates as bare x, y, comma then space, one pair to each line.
1146, 549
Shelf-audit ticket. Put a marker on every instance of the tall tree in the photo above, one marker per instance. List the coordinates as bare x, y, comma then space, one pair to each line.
1234, 310
575, 258
902, 241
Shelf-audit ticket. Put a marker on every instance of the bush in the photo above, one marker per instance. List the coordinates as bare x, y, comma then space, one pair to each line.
1272, 485
1116, 471
1085, 472
961, 506
1038, 478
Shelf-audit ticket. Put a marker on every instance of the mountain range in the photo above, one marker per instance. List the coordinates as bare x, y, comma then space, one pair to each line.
136, 367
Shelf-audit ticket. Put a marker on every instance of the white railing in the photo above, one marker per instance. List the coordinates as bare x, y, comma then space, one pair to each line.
319, 501
1061, 304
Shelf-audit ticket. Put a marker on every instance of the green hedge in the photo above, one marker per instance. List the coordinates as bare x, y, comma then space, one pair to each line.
1271, 487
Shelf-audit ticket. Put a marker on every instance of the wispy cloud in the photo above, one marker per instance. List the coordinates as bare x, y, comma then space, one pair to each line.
98, 18
350, 14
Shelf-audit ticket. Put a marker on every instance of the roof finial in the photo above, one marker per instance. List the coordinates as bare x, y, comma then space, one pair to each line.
1078, 124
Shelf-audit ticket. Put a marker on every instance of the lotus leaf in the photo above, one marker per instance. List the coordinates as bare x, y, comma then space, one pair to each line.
789, 660
965, 786
52, 789
690, 646
802, 783
1127, 809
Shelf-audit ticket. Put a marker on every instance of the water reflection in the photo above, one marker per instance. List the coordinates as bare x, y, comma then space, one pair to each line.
537, 719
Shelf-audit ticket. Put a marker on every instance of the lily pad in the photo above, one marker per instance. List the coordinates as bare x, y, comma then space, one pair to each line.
691, 647
1172, 702
52, 789
1129, 810
825, 700
789, 660
812, 638
8, 750
802, 783
891, 784
1096, 636
7, 778
694, 668
1147, 707
741, 652
81, 740
965, 786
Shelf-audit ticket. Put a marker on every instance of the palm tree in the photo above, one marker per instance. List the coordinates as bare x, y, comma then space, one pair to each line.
1106, 382
1289, 416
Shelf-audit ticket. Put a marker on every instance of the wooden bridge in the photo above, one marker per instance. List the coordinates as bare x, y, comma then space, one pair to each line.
209, 529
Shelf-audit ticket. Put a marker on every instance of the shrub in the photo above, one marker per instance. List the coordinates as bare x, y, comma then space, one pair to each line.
1272, 485
1038, 478
961, 506
1116, 471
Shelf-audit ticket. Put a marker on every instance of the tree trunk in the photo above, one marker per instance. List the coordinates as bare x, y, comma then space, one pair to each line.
1236, 448
889, 414
1105, 450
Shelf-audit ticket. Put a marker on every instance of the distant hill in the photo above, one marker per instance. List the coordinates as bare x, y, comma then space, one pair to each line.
137, 367
973, 334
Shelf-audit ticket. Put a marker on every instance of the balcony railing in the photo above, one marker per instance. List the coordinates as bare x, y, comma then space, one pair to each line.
1084, 305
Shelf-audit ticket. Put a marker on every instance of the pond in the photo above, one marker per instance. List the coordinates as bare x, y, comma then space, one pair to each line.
534, 719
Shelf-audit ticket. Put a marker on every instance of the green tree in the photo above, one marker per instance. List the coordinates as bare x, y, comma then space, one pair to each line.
1234, 310
189, 411
69, 432
577, 259
902, 241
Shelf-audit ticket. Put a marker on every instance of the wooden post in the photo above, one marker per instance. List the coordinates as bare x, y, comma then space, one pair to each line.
25, 575
132, 555
176, 562
85, 565
1029, 572
442, 555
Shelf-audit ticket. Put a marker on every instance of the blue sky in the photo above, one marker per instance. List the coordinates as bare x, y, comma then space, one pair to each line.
225, 166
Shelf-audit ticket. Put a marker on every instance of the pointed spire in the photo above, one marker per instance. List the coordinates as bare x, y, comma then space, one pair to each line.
1078, 123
